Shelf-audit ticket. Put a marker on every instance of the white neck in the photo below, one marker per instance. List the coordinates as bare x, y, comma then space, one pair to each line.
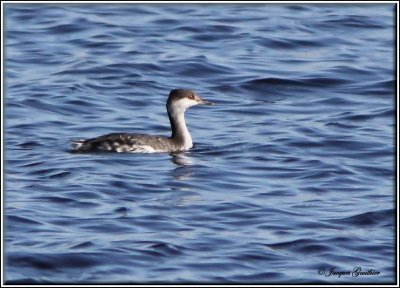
180, 132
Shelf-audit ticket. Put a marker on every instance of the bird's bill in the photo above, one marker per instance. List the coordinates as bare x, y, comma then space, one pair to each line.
205, 102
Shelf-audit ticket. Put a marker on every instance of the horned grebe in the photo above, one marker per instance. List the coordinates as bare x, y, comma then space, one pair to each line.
178, 101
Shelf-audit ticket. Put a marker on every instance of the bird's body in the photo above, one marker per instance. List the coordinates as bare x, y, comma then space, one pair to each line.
178, 101
128, 142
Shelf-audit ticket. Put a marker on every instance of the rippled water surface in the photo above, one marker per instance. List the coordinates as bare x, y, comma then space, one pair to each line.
292, 172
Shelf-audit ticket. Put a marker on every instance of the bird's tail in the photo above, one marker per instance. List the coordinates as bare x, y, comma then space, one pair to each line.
78, 144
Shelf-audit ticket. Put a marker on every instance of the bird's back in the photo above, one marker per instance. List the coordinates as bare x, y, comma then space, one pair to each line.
126, 142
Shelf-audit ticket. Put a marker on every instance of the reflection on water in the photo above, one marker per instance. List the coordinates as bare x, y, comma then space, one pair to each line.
182, 159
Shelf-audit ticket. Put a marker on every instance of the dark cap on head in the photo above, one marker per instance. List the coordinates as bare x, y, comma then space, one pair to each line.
177, 94
181, 93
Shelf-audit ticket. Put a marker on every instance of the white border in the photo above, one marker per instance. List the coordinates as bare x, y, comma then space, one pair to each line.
196, 2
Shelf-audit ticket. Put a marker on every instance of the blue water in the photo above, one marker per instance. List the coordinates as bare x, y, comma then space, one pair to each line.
291, 175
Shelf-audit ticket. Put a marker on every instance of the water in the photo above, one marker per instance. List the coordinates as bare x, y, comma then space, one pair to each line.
292, 173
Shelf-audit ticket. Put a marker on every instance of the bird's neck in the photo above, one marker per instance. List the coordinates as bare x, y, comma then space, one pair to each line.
180, 132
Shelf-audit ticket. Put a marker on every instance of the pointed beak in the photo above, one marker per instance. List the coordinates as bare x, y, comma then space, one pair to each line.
205, 102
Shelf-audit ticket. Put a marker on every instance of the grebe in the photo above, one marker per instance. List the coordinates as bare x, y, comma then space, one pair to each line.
178, 101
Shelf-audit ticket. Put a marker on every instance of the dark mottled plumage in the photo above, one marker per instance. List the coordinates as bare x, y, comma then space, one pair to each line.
126, 142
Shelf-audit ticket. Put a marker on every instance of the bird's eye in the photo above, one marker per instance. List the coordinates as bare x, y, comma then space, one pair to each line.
191, 96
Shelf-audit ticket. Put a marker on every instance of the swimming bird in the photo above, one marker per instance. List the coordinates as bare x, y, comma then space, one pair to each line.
178, 101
